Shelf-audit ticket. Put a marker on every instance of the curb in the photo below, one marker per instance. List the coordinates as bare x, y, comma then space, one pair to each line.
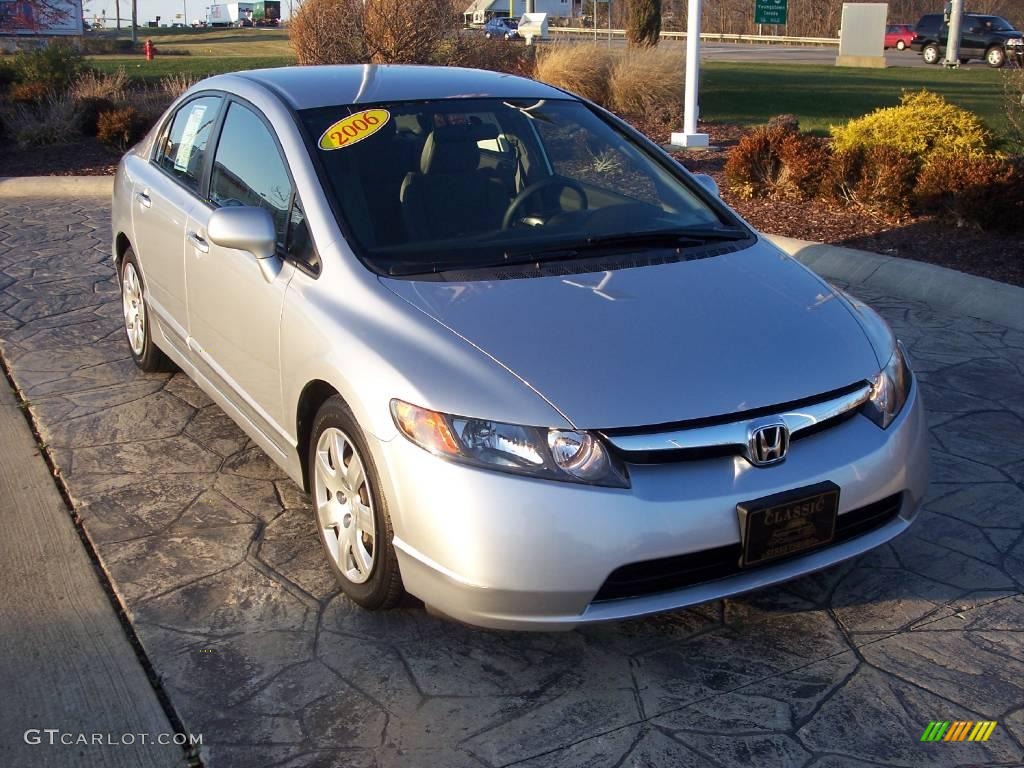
942, 288
56, 186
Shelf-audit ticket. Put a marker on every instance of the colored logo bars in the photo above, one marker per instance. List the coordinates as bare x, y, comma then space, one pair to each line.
959, 730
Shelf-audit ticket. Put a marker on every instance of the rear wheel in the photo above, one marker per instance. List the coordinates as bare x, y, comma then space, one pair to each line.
995, 57
351, 513
146, 354
931, 54
900, 45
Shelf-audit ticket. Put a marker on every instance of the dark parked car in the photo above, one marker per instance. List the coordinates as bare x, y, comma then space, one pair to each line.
991, 38
502, 28
898, 36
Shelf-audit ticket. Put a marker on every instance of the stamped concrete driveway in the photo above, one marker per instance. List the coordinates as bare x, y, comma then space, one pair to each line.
213, 553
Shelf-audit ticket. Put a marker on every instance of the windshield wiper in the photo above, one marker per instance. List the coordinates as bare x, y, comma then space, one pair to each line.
689, 237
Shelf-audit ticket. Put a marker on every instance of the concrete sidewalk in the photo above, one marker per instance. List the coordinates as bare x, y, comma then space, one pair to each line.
65, 662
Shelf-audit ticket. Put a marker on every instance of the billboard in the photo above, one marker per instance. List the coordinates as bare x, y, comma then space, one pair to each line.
40, 17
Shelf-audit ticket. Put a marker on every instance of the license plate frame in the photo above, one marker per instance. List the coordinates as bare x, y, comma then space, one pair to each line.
787, 524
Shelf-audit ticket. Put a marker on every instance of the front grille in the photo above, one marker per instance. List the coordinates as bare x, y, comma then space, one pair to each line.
669, 573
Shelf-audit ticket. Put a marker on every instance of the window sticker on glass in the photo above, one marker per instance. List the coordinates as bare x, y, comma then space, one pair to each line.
188, 137
354, 128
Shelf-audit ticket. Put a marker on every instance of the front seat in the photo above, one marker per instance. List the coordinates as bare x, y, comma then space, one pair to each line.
449, 196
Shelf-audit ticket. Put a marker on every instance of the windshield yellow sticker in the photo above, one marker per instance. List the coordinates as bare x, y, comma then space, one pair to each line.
354, 128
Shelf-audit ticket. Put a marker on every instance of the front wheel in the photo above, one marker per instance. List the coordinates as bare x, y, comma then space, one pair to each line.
995, 57
351, 513
931, 54
900, 45
146, 354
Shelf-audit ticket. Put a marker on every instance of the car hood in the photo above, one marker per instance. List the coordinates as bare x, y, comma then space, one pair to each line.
662, 343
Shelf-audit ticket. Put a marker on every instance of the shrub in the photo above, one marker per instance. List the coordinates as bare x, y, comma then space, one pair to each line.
776, 162
328, 32
383, 32
8, 74
56, 64
119, 128
497, 56
92, 85
646, 81
984, 192
52, 121
577, 67
93, 45
879, 179
88, 113
1013, 101
31, 92
922, 125
643, 23
174, 85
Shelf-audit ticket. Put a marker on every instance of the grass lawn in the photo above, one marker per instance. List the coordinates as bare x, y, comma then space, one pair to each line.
200, 66
823, 96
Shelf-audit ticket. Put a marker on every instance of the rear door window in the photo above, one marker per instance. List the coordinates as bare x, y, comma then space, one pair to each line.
181, 151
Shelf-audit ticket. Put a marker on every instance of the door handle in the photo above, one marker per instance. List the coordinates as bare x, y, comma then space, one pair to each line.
198, 242
143, 199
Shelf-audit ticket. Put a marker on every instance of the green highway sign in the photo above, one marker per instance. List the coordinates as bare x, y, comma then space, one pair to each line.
770, 11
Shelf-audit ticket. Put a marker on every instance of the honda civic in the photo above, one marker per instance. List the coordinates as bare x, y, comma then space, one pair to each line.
528, 368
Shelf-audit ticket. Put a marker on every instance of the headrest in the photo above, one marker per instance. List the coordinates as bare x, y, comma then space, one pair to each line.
453, 149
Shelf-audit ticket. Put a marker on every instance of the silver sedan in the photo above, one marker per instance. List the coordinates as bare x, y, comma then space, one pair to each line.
528, 368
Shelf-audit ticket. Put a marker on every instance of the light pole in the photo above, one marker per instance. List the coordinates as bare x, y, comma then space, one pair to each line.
956, 18
689, 136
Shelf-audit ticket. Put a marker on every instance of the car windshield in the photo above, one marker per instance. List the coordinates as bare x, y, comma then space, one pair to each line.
436, 185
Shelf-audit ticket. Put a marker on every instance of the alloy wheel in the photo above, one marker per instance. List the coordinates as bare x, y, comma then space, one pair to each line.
134, 309
344, 505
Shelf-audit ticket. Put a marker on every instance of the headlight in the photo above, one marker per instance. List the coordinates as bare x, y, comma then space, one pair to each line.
1015, 41
889, 390
553, 454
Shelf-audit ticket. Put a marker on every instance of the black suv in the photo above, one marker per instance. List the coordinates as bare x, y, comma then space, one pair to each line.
991, 38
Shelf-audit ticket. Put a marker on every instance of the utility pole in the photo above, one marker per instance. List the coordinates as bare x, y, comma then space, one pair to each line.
955, 9
135, 20
689, 137
117, 7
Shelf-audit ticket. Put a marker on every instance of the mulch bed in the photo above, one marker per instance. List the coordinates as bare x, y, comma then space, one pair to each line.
85, 157
995, 255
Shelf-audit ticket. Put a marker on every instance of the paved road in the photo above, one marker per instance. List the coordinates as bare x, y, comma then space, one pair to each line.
772, 54
215, 554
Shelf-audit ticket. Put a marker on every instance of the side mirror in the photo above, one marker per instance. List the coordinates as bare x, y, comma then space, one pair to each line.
247, 228
708, 183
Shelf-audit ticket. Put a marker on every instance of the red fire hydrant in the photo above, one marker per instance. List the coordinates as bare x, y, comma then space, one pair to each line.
150, 50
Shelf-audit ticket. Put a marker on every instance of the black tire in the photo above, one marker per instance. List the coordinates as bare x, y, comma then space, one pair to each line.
931, 54
900, 45
150, 358
383, 589
995, 57
964, 61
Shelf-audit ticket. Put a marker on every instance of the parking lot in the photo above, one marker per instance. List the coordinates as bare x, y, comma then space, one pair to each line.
213, 553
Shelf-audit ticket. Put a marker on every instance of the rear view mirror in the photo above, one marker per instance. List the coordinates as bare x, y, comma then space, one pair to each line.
247, 228
708, 183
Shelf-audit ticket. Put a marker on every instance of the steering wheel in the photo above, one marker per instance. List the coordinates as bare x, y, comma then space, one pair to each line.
557, 182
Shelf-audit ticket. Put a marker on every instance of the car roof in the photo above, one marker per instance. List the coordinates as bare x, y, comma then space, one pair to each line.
323, 86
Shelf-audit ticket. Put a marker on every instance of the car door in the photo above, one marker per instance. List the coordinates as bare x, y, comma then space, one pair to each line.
165, 191
976, 37
233, 312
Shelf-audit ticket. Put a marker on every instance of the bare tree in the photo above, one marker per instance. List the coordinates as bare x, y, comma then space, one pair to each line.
33, 15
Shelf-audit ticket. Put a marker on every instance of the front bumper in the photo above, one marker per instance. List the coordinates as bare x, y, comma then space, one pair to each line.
503, 551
